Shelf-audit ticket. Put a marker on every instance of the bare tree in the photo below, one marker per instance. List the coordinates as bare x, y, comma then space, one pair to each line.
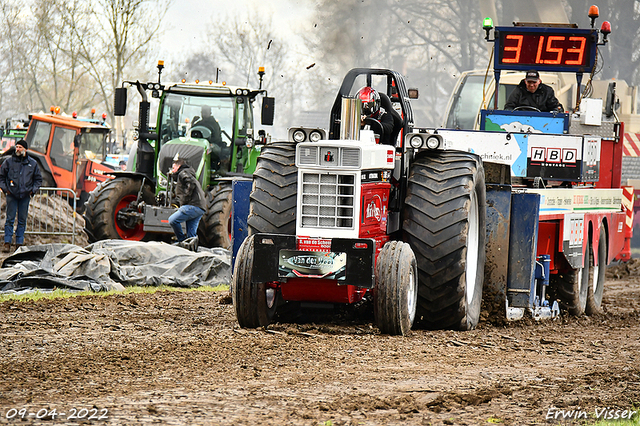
13, 42
43, 63
429, 42
127, 30
621, 56
242, 44
72, 53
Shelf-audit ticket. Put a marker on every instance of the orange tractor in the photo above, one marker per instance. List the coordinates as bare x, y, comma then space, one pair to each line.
70, 153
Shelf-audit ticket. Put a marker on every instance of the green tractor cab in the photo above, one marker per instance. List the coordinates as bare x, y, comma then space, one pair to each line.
211, 126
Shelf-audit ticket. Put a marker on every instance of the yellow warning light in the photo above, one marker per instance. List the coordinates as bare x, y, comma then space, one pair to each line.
197, 81
260, 69
183, 80
57, 110
161, 63
224, 83
51, 109
210, 81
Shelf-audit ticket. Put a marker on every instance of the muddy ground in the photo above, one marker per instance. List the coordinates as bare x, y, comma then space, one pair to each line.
179, 358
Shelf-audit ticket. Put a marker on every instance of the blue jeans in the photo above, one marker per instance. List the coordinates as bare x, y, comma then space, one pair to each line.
21, 205
191, 215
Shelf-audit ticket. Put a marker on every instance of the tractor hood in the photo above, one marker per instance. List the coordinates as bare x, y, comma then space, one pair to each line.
193, 151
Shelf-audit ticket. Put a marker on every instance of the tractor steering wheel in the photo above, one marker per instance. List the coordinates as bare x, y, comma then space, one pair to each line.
526, 108
200, 131
375, 125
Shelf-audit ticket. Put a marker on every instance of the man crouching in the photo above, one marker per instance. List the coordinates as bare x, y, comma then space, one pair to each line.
191, 197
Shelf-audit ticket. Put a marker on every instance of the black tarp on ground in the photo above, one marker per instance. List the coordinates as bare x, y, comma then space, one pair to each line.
112, 265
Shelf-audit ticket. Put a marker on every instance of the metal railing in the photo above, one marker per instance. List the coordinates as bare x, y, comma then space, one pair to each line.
52, 211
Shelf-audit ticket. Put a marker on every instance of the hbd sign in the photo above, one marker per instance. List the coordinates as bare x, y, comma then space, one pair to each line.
554, 155
563, 157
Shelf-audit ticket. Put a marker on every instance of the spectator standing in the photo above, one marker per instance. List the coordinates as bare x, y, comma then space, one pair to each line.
20, 179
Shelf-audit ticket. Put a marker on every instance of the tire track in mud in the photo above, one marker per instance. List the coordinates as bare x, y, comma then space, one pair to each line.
180, 358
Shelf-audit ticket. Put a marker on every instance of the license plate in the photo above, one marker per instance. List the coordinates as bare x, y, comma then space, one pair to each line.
312, 264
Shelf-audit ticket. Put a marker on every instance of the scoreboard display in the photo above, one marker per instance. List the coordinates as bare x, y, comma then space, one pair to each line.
545, 49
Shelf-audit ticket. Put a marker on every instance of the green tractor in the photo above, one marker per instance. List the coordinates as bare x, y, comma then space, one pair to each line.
211, 126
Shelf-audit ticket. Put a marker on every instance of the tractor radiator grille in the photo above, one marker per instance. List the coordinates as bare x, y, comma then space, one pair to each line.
351, 157
328, 200
308, 155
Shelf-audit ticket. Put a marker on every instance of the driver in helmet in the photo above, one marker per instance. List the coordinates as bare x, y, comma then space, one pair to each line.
371, 110
532, 93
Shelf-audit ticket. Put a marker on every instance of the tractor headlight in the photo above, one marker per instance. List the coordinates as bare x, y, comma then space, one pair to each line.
315, 136
415, 141
433, 142
299, 136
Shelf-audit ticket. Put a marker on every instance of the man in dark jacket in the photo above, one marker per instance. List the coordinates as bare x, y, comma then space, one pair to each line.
191, 197
20, 178
531, 92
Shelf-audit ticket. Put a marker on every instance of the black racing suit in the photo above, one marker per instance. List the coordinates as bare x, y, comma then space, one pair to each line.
386, 120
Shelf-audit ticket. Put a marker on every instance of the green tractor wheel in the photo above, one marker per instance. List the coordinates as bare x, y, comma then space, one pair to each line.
215, 225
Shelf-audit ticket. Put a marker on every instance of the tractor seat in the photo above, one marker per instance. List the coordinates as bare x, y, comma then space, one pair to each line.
398, 122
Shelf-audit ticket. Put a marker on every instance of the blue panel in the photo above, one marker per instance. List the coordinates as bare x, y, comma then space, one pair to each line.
524, 121
523, 242
494, 291
241, 189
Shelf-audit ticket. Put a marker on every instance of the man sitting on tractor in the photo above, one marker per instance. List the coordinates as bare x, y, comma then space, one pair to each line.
379, 120
531, 93
208, 121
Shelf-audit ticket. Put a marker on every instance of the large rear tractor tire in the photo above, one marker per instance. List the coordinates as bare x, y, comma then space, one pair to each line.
104, 203
255, 303
597, 277
215, 226
274, 192
396, 293
444, 223
47, 179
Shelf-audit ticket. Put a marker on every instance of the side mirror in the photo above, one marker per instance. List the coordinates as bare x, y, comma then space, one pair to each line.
76, 141
268, 109
609, 105
120, 101
413, 93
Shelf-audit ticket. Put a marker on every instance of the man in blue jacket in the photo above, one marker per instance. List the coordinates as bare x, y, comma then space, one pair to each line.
20, 178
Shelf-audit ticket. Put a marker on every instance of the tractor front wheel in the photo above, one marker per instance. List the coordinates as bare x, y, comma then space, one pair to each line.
114, 196
396, 293
255, 303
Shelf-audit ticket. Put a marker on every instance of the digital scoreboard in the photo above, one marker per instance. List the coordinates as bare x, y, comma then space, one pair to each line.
545, 49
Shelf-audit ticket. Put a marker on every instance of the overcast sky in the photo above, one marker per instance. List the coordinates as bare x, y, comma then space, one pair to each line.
191, 18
